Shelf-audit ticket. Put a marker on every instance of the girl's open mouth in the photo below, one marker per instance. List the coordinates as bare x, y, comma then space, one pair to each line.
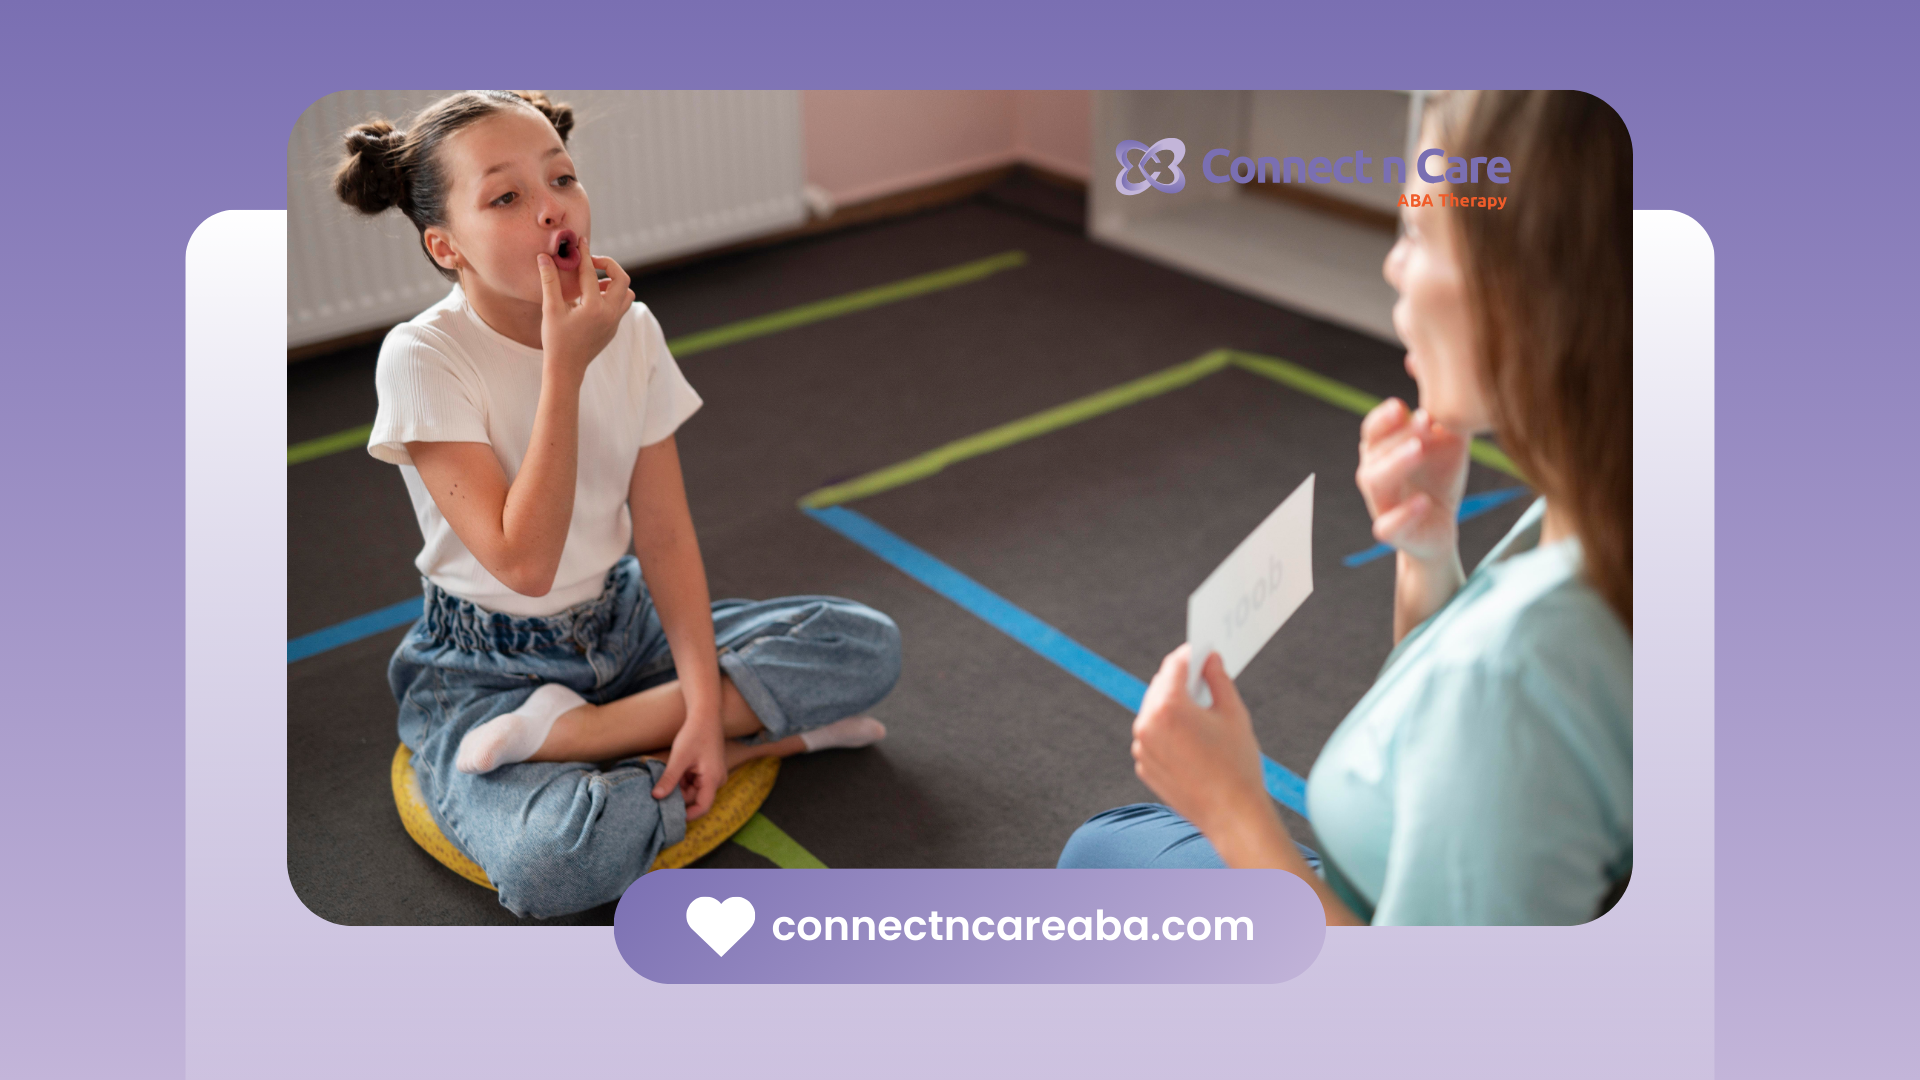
566, 252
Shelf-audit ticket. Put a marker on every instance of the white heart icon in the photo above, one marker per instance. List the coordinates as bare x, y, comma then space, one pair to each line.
720, 925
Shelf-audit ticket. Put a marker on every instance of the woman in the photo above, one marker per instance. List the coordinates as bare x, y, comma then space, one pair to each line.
1487, 775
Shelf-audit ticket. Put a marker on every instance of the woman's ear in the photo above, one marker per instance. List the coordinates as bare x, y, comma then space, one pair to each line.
440, 246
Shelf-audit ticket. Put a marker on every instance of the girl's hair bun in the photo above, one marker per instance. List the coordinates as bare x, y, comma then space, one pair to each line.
560, 116
369, 179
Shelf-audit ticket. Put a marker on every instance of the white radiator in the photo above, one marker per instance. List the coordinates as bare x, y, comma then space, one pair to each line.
669, 172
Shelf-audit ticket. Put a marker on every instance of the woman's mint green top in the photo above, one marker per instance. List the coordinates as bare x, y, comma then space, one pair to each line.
1488, 775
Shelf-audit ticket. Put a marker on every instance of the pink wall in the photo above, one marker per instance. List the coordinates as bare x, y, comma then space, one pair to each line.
1054, 129
862, 144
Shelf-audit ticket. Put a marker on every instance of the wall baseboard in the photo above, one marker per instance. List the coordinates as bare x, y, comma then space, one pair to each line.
1327, 204
899, 204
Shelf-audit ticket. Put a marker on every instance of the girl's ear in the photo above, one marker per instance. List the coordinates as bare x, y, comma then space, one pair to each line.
440, 246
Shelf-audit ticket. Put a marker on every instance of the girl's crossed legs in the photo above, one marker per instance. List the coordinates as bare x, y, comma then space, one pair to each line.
557, 724
561, 836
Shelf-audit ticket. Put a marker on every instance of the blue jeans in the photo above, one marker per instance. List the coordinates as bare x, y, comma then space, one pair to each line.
1146, 836
560, 837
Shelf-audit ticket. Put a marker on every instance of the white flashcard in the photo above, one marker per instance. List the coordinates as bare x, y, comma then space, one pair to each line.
1244, 602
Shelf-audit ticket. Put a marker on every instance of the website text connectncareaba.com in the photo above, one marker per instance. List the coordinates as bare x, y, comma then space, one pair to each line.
933, 926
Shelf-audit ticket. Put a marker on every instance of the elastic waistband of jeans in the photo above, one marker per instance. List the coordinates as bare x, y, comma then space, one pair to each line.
466, 625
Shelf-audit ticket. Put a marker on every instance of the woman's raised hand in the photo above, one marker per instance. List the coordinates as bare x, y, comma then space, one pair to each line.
1412, 473
573, 332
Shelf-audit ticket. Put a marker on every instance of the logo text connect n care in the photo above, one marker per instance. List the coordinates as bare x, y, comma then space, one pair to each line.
1149, 165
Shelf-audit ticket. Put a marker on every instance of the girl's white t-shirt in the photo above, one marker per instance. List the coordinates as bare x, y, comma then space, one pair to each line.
446, 376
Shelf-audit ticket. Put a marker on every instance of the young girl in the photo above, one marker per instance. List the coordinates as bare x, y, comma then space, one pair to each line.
1488, 775
532, 415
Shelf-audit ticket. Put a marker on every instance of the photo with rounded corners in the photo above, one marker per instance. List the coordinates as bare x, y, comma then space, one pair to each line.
753, 479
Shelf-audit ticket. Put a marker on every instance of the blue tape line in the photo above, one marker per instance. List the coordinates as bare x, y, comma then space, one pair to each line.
1078, 660
1362, 558
1470, 507
1474, 505
996, 611
353, 629
1285, 785
983, 603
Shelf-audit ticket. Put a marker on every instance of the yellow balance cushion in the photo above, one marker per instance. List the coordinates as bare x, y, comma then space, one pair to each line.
740, 797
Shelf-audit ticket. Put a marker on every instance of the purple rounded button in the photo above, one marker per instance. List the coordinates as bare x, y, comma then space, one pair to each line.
969, 926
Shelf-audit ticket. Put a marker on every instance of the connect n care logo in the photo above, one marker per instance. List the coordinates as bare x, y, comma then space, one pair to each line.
1148, 165
1352, 169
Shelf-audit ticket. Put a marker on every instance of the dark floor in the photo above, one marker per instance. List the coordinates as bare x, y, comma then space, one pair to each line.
1101, 529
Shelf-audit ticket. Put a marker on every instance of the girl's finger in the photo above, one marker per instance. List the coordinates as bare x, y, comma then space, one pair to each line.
669, 779
617, 276
589, 282
549, 283
602, 285
619, 285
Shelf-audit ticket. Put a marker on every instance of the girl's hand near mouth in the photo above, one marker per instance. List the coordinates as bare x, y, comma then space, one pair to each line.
573, 332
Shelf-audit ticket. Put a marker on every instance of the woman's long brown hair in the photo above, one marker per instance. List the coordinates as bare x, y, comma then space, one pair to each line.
1550, 277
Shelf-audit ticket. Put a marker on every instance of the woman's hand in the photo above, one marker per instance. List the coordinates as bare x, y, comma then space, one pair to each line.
573, 332
1412, 473
1204, 763
697, 764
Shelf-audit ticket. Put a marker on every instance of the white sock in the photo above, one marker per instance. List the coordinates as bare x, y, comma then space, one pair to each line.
849, 734
518, 735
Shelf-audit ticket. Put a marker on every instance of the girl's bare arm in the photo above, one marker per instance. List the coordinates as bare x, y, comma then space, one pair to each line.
518, 530
669, 554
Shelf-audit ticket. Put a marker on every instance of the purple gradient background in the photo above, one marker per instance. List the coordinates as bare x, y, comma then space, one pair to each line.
1287, 930
133, 126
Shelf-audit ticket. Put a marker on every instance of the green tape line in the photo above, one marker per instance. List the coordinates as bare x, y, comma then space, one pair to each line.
1490, 455
328, 444
767, 840
1335, 392
759, 326
1311, 383
834, 307
1040, 423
